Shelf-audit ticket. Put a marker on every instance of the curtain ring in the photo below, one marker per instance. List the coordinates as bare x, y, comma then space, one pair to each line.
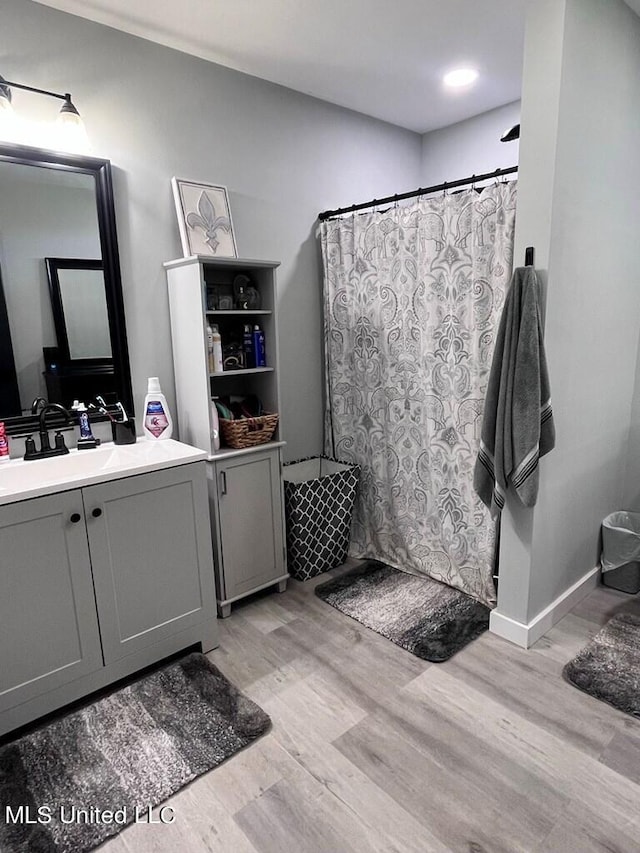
444, 189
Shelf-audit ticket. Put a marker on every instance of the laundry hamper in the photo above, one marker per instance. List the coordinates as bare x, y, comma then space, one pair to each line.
319, 494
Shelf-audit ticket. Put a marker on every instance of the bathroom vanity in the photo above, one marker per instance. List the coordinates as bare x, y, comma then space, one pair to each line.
106, 567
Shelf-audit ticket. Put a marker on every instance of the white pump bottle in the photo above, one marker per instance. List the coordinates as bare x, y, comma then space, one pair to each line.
157, 422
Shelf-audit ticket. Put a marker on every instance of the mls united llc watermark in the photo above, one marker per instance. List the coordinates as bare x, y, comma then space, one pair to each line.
93, 815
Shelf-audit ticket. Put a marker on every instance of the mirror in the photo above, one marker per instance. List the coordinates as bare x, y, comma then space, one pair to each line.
79, 303
62, 327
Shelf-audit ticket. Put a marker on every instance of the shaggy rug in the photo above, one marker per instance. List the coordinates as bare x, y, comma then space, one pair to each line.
609, 666
76, 781
425, 617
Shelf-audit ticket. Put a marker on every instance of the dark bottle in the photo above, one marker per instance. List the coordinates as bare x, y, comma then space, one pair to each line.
247, 346
259, 355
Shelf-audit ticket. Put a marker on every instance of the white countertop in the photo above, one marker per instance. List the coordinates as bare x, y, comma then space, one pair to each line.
20, 480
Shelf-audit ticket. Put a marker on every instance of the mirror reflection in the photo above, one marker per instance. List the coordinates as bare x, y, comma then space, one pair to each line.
49, 213
79, 302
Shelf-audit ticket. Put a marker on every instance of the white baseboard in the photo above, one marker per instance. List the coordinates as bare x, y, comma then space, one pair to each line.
525, 635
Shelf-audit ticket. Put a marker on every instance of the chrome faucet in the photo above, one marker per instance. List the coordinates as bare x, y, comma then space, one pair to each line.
59, 448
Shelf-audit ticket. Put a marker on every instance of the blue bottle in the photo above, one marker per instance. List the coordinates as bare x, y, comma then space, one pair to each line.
260, 359
247, 346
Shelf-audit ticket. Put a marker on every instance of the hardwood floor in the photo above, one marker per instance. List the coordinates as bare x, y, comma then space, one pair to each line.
375, 750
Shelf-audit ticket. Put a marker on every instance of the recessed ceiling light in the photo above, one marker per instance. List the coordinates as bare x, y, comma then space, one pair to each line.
460, 77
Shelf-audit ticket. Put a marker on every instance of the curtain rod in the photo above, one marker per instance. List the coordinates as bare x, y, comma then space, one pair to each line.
328, 214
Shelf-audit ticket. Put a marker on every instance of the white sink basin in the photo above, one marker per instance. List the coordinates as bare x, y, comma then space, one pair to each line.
20, 480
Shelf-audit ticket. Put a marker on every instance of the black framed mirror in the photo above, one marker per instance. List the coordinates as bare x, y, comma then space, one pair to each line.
57, 206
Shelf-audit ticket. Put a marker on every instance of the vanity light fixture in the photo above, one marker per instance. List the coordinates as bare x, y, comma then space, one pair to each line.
460, 77
70, 131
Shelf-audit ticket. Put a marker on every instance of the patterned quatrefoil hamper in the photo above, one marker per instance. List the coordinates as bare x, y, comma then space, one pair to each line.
319, 494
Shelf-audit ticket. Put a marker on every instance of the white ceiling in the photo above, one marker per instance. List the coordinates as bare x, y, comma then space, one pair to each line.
384, 58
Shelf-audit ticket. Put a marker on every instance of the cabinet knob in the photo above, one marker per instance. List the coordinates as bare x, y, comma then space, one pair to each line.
97, 512
75, 517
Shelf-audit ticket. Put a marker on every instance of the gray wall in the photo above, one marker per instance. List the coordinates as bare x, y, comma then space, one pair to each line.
283, 156
470, 147
579, 204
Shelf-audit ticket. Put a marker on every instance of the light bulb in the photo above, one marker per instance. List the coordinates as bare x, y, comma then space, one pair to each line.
8, 121
70, 130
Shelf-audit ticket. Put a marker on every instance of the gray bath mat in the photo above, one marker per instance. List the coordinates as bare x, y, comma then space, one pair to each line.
425, 617
119, 756
609, 667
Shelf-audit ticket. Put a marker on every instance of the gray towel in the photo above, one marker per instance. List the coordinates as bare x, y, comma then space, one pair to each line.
517, 427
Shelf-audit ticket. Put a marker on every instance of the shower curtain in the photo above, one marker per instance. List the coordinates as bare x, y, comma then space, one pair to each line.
412, 300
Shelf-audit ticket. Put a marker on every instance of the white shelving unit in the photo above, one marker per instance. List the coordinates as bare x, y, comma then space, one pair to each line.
245, 485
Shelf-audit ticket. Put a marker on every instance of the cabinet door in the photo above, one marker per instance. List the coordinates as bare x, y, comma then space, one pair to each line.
250, 511
48, 626
151, 554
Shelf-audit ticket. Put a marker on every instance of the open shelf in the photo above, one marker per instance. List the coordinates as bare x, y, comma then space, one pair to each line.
242, 371
236, 312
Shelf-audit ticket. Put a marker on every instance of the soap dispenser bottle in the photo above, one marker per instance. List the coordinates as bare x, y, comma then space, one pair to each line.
157, 422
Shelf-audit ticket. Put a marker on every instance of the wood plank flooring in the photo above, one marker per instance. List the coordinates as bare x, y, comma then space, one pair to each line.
375, 751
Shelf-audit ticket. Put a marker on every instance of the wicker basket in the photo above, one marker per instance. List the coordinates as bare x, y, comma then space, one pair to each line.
248, 432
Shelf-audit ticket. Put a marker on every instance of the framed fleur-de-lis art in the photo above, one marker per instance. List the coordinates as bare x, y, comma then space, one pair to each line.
204, 219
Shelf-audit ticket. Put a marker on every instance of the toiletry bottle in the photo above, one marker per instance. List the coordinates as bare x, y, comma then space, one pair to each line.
241, 299
157, 421
215, 426
4, 444
247, 346
210, 366
86, 440
217, 351
260, 359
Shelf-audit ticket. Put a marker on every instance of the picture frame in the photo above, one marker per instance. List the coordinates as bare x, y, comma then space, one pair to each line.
204, 219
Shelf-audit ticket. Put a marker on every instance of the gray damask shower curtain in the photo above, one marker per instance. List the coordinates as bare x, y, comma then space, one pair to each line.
412, 300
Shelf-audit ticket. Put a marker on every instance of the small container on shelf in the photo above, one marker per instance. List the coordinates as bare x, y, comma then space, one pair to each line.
225, 302
248, 432
244, 423
212, 297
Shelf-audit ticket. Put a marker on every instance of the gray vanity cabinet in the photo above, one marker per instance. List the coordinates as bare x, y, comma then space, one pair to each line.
247, 523
100, 581
48, 625
150, 583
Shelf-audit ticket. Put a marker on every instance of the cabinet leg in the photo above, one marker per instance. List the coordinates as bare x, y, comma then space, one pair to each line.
224, 610
282, 585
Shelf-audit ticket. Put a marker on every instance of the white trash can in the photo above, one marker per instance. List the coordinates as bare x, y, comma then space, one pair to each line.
620, 559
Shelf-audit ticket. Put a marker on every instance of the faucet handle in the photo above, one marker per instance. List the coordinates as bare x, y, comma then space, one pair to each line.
29, 447
59, 442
